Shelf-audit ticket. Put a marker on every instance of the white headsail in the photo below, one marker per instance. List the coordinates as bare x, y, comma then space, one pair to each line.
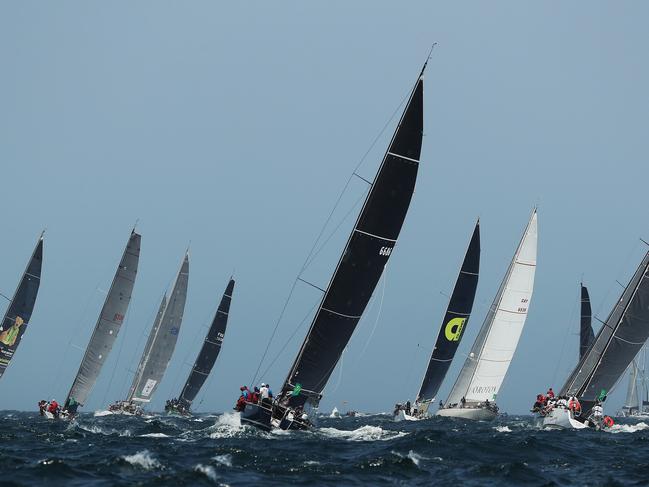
486, 366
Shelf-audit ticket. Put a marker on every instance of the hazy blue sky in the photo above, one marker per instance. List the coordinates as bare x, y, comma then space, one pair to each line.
234, 125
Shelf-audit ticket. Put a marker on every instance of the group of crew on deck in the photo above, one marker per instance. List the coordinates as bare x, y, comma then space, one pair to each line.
179, 406
259, 395
55, 409
486, 404
408, 409
128, 407
544, 404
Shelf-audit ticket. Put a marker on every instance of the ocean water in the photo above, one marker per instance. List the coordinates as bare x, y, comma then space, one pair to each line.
366, 450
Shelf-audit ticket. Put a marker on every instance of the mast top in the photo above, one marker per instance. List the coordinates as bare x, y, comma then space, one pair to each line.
430, 53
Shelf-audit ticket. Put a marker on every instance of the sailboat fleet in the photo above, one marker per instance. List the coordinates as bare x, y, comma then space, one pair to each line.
603, 357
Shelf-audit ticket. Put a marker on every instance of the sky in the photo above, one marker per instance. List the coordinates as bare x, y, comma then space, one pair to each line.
232, 127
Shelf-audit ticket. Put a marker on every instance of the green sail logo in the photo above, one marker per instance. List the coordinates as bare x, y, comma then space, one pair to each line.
453, 330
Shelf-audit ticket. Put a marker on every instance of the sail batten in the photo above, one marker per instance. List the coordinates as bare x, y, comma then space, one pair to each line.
486, 366
16, 318
364, 257
108, 324
210, 350
162, 339
455, 321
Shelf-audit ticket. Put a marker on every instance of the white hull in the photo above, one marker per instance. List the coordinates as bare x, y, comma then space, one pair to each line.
474, 414
402, 416
560, 418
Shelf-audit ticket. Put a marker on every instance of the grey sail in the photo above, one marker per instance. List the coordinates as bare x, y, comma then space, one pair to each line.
162, 339
617, 343
109, 323
632, 402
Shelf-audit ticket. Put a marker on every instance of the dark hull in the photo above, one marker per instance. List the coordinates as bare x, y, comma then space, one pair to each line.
267, 417
257, 415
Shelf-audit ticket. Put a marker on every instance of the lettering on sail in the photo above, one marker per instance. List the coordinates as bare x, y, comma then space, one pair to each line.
484, 390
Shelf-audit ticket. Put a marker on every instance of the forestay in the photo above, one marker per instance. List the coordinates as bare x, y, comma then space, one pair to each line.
210, 350
617, 343
109, 322
162, 339
455, 321
486, 366
365, 255
19, 312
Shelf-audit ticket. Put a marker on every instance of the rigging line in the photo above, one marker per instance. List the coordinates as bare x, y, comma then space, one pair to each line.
289, 340
57, 377
119, 354
197, 337
8, 299
340, 372
131, 369
378, 315
334, 231
324, 227
565, 338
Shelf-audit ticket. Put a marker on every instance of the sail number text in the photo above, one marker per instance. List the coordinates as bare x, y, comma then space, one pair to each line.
385, 251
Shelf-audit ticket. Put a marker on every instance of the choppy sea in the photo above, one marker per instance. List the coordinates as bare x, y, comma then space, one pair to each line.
214, 449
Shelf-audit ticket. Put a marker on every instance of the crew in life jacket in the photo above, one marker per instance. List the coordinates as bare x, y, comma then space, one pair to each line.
53, 408
243, 398
574, 406
42, 406
595, 418
550, 393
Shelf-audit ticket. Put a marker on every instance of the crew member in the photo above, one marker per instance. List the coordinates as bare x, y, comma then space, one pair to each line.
550, 393
53, 408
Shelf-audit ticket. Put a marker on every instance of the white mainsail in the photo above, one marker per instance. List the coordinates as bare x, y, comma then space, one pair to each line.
486, 366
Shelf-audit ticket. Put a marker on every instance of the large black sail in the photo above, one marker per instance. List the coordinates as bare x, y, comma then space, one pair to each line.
365, 255
455, 320
210, 350
20, 309
586, 334
619, 340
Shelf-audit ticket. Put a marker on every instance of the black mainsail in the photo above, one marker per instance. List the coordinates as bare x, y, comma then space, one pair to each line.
454, 324
210, 350
20, 309
362, 262
586, 334
619, 340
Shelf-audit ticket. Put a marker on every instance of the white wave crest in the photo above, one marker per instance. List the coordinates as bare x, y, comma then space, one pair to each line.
143, 459
364, 433
334, 413
97, 430
154, 435
226, 426
503, 429
99, 414
628, 428
206, 470
415, 457
225, 460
